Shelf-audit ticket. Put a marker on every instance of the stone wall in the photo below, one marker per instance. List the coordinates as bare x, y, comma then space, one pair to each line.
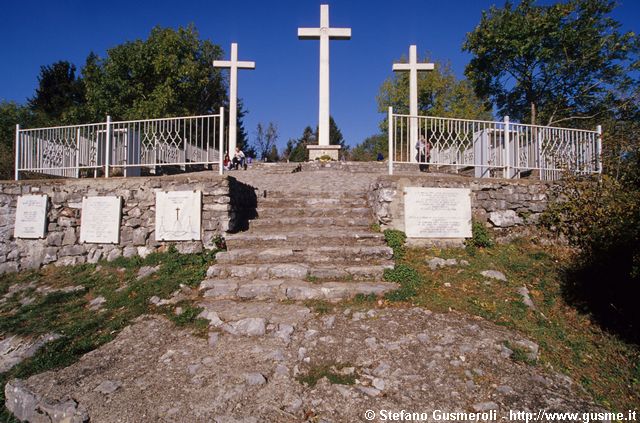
223, 204
500, 203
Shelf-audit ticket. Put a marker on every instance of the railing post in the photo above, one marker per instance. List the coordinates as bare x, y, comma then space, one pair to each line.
599, 148
78, 153
17, 150
107, 155
390, 131
506, 148
221, 142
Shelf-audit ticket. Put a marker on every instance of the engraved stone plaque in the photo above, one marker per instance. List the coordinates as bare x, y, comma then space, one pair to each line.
31, 216
100, 221
178, 215
437, 212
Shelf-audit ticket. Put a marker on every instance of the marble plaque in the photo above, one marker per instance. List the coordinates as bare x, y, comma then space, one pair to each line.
100, 221
178, 215
31, 217
437, 212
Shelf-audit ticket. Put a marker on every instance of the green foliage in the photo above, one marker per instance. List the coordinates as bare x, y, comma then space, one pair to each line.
395, 239
189, 318
602, 219
335, 135
369, 148
168, 74
10, 115
59, 98
440, 93
296, 150
551, 63
332, 371
409, 280
365, 299
519, 354
480, 236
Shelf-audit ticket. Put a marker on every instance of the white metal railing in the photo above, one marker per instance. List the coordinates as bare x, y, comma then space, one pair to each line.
100, 148
494, 149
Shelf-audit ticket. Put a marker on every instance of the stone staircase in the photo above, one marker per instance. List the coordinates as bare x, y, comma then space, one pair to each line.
303, 245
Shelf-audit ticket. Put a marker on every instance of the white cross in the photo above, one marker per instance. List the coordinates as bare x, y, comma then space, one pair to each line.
324, 34
413, 67
233, 66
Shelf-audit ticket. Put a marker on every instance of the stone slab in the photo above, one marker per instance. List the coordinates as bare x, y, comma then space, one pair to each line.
100, 222
31, 217
178, 215
317, 151
437, 212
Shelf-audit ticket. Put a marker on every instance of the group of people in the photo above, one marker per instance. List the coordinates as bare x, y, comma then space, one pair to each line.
239, 160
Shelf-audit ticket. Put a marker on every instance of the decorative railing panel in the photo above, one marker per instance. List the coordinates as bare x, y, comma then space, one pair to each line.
494, 149
100, 149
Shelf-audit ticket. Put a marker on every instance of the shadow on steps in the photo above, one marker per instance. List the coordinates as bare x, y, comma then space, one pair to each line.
244, 204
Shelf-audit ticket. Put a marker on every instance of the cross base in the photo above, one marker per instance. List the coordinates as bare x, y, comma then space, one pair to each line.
317, 151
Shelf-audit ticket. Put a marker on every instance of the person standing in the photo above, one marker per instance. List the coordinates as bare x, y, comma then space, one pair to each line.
424, 154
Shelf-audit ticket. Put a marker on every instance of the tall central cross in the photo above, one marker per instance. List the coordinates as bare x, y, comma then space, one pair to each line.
233, 66
413, 67
324, 34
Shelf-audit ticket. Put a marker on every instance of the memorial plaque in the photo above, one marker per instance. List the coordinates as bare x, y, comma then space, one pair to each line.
31, 217
100, 221
437, 212
178, 215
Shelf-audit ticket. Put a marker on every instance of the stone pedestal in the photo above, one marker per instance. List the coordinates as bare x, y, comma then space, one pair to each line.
317, 151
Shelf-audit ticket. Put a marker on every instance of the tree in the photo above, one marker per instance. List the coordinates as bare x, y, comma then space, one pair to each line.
60, 95
10, 114
440, 93
369, 148
265, 140
273, 154
296, 150
168, 74
551, 63
335, 135
242, 139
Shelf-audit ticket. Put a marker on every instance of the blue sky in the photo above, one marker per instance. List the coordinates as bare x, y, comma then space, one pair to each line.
284, 86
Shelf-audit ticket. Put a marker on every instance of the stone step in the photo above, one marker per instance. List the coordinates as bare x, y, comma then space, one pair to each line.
254, 318
290, 289
334, 194
297, 271
289, 237
300, 202
325, 254
325, 211
351, 167
316, 222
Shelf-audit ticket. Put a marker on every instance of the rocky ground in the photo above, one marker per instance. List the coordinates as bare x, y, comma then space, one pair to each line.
378, 359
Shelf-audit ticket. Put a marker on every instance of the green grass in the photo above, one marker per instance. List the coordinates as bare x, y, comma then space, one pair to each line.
82, 329
395, 239
332, 371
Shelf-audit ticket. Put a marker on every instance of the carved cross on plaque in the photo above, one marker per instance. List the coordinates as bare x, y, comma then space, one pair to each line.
177, 213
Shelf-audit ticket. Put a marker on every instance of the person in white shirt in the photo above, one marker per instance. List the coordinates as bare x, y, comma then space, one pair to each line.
239, 159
